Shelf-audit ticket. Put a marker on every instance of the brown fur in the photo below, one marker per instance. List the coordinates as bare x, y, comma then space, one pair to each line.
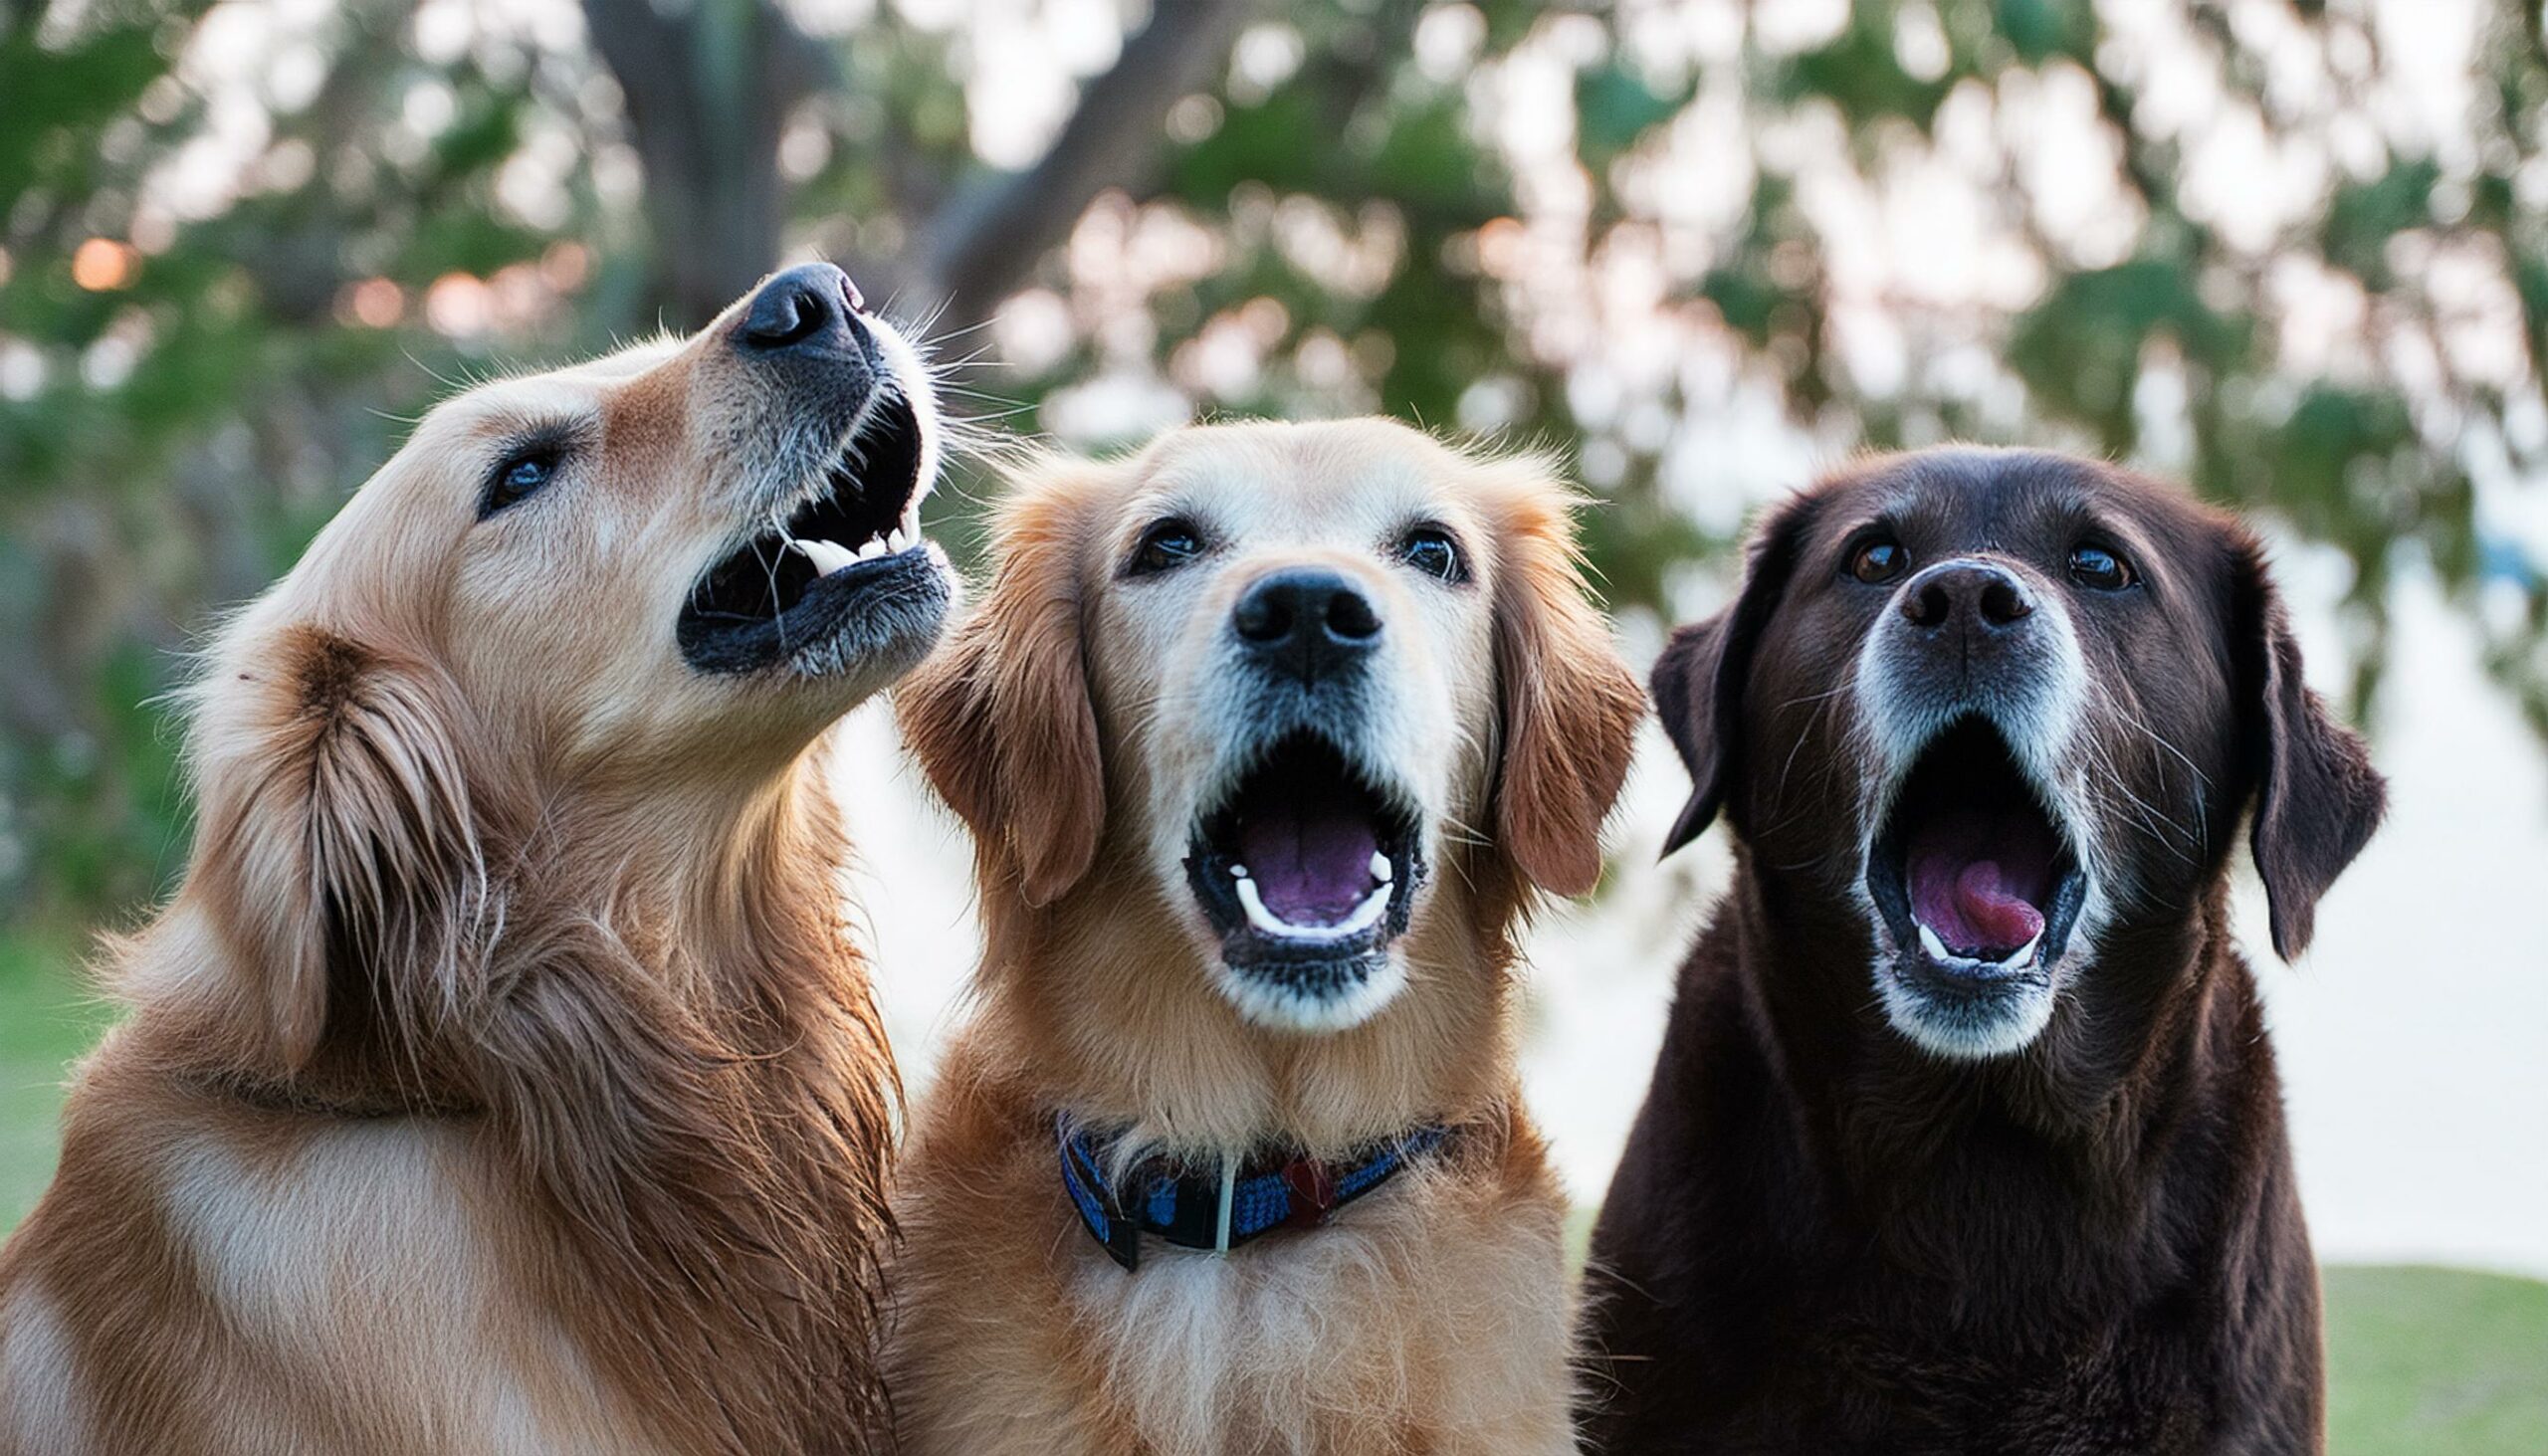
1429, 1317
500, 1078
1826, 1238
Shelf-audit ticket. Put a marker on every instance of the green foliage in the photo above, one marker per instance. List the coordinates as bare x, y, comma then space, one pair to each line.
185, 427
2080, 350
1860, 73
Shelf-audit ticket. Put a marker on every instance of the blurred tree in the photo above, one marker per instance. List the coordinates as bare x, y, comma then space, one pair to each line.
239, 241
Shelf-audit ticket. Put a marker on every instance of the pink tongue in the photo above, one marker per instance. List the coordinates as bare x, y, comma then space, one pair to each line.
1312, 863
1977, 879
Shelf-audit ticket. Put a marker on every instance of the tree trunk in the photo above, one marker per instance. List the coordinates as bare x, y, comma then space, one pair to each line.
707, 92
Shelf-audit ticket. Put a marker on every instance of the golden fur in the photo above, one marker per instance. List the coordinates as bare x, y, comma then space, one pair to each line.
498, 1079
1068, 724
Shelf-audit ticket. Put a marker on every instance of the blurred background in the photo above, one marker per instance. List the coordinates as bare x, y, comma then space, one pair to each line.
2293, 253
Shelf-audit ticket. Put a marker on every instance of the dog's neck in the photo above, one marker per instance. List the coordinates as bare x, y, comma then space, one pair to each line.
1109, 1008
2052, 1178
753, 1109
1889, 1109
719, 876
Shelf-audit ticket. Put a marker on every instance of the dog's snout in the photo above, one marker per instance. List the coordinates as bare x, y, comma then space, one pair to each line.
807, 307
1310, 622
1966, 593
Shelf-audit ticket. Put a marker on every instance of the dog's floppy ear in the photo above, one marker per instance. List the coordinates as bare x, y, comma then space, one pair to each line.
338, 838
1000, 717
1569, 705
1698, 679
2317, 797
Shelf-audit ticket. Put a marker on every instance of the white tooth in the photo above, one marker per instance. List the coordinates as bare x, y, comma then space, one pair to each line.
872, 550
1381, 868
1238, 872
827, 557
2024, 955
1936, 947
894, 540
1271, 924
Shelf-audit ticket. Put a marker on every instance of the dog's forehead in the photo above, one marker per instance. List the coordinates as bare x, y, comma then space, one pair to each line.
1304, 481
1982, 497
569, 390
502, 406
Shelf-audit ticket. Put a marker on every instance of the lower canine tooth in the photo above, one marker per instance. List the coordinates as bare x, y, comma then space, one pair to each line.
827, 557
1930, 943
1380, 868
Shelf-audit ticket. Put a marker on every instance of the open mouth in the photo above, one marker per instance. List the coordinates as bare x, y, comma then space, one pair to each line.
1974, 875
1306, 870
790, 593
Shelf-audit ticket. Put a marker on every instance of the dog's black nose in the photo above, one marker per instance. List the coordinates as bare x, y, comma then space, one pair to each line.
806, 308
1308, 621
1974, 593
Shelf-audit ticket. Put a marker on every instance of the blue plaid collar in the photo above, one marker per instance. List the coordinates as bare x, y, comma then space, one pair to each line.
1211, 1212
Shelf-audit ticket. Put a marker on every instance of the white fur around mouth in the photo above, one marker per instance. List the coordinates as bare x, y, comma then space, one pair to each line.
1364, 916
1939, 955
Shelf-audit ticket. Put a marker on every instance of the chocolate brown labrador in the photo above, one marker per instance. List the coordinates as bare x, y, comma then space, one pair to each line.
1966, 1135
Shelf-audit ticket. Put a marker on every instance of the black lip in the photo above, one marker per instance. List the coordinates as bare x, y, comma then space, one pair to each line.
763, 604
1887, 884
1314, 970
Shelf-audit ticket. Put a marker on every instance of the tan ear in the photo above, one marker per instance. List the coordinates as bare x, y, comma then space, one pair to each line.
338, 844
1000, 717
1571, 706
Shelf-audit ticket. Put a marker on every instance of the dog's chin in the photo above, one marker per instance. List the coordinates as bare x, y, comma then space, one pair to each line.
1976, 886
1304, 872
1961, 1017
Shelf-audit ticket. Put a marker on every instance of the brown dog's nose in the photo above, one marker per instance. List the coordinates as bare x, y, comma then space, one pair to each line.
1976, 592
806, 308
1309, 622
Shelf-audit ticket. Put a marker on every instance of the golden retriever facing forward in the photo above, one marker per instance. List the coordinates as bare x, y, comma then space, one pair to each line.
1265, 735
498, 1079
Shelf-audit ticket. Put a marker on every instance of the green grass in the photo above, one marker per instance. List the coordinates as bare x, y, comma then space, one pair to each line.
2435, 1363
2420, 1361
47, 1021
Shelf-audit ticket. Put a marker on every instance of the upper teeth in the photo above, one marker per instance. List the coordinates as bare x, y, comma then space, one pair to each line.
830, 556
827, 557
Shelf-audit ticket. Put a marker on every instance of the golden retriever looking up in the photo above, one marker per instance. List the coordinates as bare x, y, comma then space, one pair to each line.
1265, 735
498, 1079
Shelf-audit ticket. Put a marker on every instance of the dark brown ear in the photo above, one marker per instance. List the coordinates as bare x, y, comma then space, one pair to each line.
1571, 706
2318, 799
338, 837
1698, 680
1000, 717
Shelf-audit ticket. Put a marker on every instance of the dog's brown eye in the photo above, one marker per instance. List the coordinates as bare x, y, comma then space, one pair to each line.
2099, 569
1878, 562
1431, 550
1167, 545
